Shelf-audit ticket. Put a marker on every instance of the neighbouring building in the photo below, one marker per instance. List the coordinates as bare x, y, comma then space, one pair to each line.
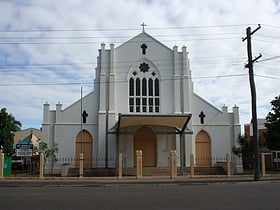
248, 131
28, 136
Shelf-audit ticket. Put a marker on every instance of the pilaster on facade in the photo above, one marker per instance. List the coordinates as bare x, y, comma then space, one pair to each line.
102, 96
46, 113
177, 94
58, 113
112, 93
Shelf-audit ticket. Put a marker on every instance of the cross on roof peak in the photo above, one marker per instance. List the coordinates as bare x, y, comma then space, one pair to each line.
143, 26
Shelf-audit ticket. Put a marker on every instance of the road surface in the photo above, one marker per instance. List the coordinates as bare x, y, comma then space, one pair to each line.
228, 195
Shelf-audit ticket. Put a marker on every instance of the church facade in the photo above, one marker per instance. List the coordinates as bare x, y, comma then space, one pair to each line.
143, 99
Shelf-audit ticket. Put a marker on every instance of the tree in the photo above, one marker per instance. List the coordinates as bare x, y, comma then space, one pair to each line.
272, 136
43, 147
244, 150
8, 125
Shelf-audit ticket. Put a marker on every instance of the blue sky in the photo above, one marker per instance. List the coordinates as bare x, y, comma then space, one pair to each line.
48, 49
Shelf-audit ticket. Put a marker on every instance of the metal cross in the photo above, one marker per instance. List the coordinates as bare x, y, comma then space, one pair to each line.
201, 116
84, 115
144, 47
143, 26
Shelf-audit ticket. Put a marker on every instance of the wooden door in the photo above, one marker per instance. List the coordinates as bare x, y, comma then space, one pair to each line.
203, 149
145, 140
84, 145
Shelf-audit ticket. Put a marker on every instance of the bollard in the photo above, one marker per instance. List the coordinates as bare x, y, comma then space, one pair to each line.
138, 164
120, 165
192, 165
1, 165
228, 165
173, 160
263, 163
42, 162
81, 165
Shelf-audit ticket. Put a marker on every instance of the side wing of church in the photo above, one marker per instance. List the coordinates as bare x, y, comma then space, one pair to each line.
143, 99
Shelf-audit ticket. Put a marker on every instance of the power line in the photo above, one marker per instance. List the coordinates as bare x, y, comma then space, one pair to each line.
124, 81
117, 42
115, 37
268, 77
120, 29
119, 81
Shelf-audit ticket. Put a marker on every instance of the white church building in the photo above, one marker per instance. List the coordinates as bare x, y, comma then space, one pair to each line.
143, 99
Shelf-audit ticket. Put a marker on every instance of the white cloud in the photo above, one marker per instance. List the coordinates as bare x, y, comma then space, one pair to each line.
214, 51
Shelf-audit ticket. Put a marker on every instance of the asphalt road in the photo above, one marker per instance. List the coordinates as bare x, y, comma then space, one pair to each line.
237, 195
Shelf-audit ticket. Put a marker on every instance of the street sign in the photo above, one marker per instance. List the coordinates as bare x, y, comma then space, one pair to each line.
24, 150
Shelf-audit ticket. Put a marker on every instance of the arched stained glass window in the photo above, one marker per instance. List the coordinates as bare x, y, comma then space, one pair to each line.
144, 93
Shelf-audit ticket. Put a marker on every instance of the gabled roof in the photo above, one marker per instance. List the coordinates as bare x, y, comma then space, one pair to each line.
29, 139
142, 35
19, 135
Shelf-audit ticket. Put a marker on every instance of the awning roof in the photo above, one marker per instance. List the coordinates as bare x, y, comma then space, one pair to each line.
177, 121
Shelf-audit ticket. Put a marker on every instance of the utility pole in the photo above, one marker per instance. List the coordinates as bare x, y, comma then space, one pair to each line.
249, 65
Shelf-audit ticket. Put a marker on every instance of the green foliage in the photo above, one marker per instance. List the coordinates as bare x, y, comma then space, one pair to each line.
8, 125
43, 147
272, 124
244, 150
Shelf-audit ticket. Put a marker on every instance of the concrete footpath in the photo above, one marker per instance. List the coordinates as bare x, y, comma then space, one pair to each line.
156, 180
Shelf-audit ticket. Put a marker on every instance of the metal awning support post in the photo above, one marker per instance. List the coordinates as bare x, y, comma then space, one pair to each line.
118, 142
182, 147
181, 172
118, 136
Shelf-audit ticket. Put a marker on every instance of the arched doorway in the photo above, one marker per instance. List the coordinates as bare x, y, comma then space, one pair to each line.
84, 145
203, 149
145, 140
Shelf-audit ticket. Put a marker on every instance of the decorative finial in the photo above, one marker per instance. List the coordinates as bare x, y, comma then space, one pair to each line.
143, 26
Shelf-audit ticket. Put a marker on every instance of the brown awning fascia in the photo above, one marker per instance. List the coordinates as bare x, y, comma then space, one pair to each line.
177, 121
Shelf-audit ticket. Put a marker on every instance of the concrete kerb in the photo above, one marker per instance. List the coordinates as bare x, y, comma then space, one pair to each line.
132, 180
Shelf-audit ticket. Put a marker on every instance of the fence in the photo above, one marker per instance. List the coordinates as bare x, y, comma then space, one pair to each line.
55, 165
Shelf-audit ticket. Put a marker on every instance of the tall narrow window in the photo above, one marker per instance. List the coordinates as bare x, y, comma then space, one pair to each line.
144, 87
137, 104
137, 87
151, 104
131, 87
156, 87
156, 104
150, 87
144, 104
131, 104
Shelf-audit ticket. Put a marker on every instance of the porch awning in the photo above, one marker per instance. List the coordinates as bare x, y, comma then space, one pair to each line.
177, 121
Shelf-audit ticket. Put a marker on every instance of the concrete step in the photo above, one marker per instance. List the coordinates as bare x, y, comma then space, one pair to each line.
147, 171
208, 170
95, 172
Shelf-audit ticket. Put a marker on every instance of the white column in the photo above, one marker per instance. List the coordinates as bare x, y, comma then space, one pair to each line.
42, 163
139, 164
81, 165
